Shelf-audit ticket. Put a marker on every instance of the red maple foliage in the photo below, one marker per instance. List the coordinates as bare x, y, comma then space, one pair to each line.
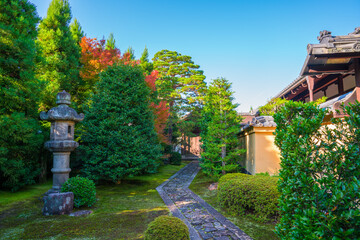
161, 110
95, 58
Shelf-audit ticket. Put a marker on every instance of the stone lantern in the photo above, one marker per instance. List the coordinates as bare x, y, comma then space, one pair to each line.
61, 142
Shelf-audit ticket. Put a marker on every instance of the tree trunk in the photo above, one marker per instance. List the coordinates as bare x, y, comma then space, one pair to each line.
223, 155
170, 130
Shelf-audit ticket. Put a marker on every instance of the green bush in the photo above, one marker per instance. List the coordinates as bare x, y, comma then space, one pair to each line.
167, 228
175, 158
319, 176
254, 195
84, 191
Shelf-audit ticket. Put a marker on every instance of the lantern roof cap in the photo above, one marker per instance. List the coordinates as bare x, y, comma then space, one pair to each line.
62, 112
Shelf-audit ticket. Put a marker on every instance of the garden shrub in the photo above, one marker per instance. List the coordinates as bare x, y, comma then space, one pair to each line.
175, 158
84, 191
255, 195
319, 177
230, 176
167, 228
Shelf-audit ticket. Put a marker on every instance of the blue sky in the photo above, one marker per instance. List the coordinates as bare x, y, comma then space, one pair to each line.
259, 45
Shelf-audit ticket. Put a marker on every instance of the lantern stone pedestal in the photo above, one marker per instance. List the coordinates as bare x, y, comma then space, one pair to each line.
61, 143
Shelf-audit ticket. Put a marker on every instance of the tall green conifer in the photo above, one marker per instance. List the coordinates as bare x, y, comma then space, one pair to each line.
145, 64
20, 142
76, 32
59, 65
119, 138
220, 125
110, 42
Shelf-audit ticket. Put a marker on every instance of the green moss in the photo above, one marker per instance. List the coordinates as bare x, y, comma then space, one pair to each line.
122, 212
258, 231
167, 228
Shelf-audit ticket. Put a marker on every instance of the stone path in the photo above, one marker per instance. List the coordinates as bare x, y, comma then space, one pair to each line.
204, 222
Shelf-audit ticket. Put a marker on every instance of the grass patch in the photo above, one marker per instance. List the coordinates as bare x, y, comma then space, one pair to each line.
258, 231
122, 211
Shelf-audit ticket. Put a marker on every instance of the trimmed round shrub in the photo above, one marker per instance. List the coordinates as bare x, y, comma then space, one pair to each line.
167, 228
253, 195
84, 191
175, 158
230, 176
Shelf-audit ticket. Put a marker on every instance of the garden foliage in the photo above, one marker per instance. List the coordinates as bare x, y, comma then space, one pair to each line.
84, 191
20, 143
220, 125
255, 195
320, 173
119, 138
167, 228
180, 83
58, 68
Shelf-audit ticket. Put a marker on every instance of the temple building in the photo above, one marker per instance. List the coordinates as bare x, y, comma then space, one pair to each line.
331, 69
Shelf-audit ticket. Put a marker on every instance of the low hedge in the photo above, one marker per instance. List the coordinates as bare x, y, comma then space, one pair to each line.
167, 228
246, 194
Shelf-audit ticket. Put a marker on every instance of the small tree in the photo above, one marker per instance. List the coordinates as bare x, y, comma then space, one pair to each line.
220, 125
119, 138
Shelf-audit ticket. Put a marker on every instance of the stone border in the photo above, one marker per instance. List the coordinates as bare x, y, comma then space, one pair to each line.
194, 235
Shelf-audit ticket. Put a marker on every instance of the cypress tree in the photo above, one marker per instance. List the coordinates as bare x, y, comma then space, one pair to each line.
145, 64
220, 124
119, 138
59, 66
18, 85
20, 142
76, 32
110, 42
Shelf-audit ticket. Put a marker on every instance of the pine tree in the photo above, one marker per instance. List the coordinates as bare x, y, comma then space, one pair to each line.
145, 64
119, 138
59, 65
180, 83
20, 142
110, 42
220, 125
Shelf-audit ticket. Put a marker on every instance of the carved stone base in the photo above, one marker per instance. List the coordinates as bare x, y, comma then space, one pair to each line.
58, 203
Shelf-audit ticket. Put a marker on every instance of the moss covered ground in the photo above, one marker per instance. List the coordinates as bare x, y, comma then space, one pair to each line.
258, 231
122, 211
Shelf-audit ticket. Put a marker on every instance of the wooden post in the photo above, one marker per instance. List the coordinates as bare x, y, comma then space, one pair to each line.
310, 82
341, 85
357, 78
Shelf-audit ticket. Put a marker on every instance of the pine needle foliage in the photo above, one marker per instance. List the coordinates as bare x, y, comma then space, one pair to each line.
220, 125
119, 138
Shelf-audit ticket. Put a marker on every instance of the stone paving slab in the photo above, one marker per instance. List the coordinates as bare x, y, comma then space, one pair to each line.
203, 221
